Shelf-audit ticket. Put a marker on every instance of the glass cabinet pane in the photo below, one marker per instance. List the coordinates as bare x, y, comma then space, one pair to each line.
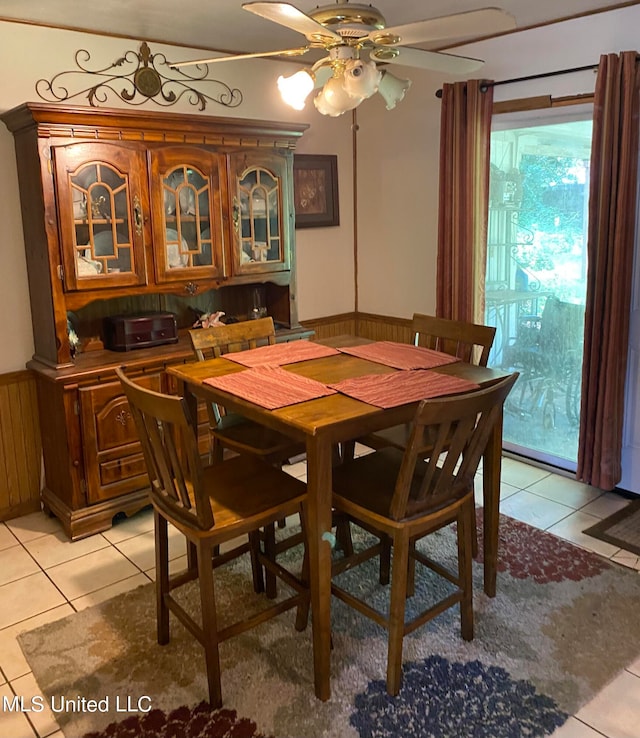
186, 214
259, 198
103, 242
186, 193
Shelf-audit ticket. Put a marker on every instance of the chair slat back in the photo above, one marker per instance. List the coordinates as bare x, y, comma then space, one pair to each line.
448, 437
213, 342
171, 454
470, 342
218, 340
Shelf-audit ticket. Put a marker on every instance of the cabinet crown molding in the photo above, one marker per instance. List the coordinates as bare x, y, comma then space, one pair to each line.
101, 124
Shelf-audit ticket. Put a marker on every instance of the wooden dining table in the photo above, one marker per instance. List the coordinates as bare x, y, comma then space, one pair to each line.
324, 423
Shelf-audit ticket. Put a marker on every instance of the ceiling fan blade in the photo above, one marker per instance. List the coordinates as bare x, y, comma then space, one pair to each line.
289, 16
461, 25
235, 57
433, 60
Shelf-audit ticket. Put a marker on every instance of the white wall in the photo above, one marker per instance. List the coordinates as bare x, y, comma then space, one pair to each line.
399, 150
29, 53
325, 255
16, 336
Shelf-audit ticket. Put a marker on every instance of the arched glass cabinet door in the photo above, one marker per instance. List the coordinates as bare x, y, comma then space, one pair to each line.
261, 213
102, 225
187, 214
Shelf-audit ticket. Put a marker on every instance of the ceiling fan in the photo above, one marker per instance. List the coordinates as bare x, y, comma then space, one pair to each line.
348, 31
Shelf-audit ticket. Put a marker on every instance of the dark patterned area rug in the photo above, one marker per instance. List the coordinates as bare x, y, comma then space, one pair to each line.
620, 529
543, 647
183, 722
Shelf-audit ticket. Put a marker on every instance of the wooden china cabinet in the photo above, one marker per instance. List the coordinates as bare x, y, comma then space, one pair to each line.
139, 214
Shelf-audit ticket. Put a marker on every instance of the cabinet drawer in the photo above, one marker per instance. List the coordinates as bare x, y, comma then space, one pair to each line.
113, 459
125, 467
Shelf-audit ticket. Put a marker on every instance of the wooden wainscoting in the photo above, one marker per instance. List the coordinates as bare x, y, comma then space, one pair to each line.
367, 325
334, 325
20, 445
383, 328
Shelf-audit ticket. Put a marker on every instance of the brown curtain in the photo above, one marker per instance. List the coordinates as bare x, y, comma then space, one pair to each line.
611, 234
465, 137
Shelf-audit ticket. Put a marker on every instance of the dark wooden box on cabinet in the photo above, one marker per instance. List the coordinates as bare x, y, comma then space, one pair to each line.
126, 332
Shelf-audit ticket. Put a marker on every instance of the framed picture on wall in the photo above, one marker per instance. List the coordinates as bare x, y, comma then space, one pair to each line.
315, 190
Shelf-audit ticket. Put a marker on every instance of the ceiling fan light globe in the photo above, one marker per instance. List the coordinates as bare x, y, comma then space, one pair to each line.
361, 79
392, 88
334, 100
295, 89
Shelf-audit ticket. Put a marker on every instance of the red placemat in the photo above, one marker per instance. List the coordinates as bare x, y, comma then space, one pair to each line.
270, 386
400, 355
400, 388
281, 353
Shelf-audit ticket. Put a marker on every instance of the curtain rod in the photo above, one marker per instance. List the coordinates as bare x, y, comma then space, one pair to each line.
486, 85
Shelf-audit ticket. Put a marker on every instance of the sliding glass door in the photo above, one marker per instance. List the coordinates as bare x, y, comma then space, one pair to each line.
536, 276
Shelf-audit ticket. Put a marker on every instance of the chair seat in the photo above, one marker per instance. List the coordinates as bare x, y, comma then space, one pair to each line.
369, 481
243, 435
247, 494
397, 437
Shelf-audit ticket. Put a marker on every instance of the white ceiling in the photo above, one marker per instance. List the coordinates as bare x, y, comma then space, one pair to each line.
222, 25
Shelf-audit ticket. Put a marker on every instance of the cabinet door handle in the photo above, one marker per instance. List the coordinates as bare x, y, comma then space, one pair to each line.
236, 215
137, 215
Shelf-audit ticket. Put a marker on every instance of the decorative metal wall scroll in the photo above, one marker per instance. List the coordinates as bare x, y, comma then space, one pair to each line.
144, 76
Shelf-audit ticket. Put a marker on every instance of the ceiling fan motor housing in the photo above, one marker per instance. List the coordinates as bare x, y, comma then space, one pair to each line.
353, 21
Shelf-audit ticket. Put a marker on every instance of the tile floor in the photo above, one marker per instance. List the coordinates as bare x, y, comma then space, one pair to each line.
43, 576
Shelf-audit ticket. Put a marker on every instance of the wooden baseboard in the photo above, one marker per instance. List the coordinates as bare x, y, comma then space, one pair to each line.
23, 508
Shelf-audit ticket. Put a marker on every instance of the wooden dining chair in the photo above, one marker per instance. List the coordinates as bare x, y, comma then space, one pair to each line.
236, 433
409, 494
230, 430
470, 342
210, 505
